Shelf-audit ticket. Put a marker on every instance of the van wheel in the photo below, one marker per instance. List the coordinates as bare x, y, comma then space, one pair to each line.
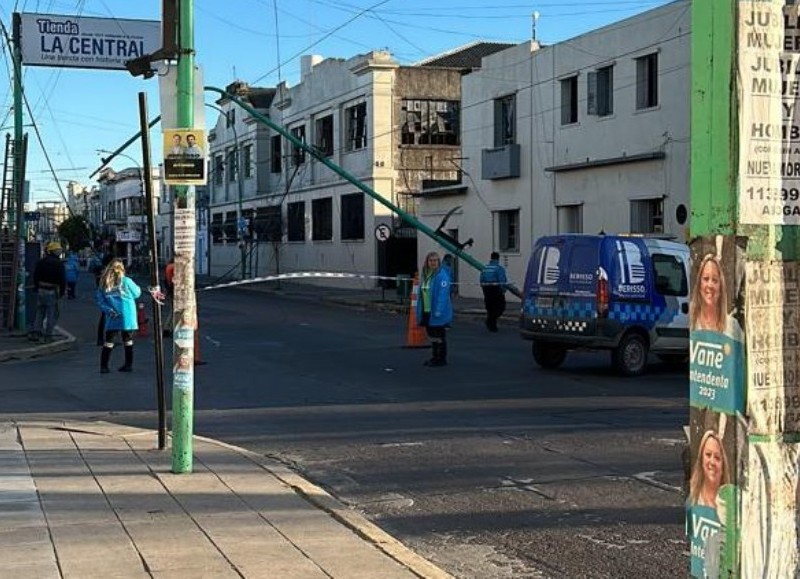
549, 356
630, 357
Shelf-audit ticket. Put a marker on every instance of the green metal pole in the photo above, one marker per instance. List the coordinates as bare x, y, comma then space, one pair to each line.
18, 176
185, 314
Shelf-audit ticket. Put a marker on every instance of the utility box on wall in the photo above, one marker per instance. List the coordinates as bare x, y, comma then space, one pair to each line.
500, 162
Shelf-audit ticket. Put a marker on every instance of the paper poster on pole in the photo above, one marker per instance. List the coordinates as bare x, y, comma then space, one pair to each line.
168, 97
185, 156
769, 124
184, 230
717, 402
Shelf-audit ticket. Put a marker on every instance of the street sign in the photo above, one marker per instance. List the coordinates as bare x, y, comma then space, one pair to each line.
383, 232
32, 216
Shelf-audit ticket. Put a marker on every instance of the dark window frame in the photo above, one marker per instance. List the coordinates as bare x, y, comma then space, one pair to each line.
431, 122
298, 153
275, 154
351, 217
296, 221
323, 135
647, 81
356, 127
569, 100
505, 120
322, 219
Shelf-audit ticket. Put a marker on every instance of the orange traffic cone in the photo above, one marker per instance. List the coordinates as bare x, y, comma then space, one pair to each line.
415, 335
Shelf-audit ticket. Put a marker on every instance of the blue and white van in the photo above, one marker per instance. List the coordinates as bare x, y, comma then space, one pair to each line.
626, 294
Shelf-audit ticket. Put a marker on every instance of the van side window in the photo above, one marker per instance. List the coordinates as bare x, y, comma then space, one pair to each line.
670, 275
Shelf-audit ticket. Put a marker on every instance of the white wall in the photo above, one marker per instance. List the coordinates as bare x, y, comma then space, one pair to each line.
604, 191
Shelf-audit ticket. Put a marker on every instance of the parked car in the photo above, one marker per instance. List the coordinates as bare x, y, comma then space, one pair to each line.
626, 294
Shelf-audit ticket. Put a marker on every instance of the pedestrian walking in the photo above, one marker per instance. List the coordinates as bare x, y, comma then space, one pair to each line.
72, 267
116, 297
494, 284
434, 307
49, 283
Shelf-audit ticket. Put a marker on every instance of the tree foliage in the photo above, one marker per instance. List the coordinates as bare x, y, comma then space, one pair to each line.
76, 231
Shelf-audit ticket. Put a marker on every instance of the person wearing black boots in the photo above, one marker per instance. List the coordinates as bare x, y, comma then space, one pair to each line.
116, 297
434, 307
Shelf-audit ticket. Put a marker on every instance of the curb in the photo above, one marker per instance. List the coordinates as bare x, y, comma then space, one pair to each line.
66, 343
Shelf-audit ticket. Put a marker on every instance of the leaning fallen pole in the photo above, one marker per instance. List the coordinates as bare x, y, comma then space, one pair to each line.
406, 217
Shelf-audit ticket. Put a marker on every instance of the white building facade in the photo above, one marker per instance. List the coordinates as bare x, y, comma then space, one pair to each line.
389, 126
584, 136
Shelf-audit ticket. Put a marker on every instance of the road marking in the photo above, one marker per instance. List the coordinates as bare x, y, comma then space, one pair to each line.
400, 444
601, 542
649, 478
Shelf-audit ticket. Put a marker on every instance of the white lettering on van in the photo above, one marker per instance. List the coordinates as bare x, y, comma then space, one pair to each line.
631, 289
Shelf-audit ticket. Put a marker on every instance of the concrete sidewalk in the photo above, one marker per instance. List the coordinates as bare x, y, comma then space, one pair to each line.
93, 499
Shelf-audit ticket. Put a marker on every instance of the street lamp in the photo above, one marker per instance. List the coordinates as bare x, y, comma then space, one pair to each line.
239, 183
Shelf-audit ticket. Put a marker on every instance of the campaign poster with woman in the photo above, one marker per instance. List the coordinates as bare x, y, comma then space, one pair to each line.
716, 321
717, 402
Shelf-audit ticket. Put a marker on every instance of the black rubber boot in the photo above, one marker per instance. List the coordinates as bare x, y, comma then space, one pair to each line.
128, 366
434, 354
441, 355
105, 356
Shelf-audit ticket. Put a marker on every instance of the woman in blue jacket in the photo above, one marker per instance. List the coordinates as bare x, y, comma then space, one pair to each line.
116, 297
434, 308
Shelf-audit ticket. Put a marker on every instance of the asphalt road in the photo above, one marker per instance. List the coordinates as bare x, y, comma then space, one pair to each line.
490, 467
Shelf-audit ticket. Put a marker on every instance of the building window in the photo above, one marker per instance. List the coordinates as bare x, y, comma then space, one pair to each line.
298, 153
569, 100
322, 219
352, 216
219, 169
356, 126
647, 216
275, 154
247, 160
647, 81
430, 122
323, 135
267, 223
296, 221
570, 218
600, 92
230, 118
216, 228
233, 165
508, 229
505, 130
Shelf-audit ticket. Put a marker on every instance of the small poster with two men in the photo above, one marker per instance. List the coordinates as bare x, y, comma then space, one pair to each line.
184, 157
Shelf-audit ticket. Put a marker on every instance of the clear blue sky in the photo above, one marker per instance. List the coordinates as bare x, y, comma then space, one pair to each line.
260, 42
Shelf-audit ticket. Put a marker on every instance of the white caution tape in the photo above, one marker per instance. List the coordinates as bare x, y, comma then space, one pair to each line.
315, 275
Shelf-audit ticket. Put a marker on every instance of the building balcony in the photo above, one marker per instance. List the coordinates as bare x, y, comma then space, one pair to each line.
500, 162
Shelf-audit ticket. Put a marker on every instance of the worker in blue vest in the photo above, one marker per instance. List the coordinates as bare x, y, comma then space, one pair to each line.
494, 284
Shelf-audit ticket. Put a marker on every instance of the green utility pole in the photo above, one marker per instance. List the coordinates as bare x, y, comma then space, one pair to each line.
745, 370
18, 176
185, 311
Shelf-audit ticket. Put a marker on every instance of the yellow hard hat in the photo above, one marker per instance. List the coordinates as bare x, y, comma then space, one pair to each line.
53, 247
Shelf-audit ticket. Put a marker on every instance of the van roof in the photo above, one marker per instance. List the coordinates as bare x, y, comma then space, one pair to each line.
652, 242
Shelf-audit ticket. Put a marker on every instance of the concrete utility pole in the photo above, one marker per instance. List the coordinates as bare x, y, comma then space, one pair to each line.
18, 176
745, 200
185, 311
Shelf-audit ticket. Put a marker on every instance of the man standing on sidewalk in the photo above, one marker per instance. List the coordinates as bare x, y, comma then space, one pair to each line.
49, 283
494, 283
